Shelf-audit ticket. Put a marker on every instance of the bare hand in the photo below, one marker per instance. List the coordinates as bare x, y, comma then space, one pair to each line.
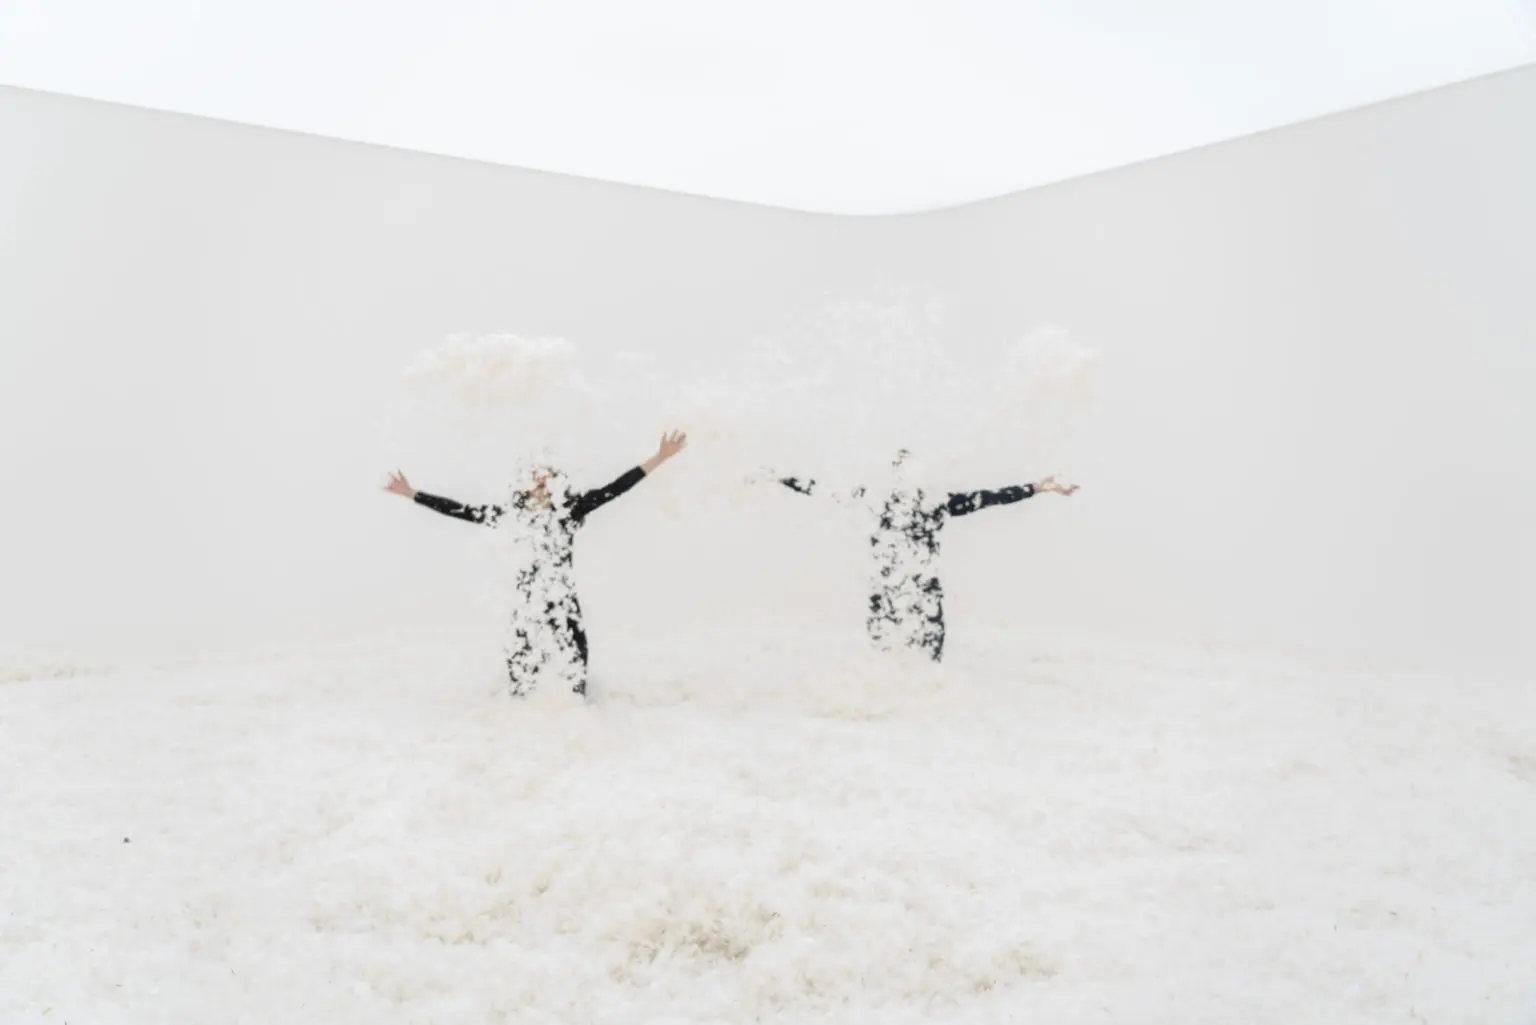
1050, 484
398, 485
672, 443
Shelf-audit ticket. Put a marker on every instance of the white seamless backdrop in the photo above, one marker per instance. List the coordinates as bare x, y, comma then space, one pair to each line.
1318, 349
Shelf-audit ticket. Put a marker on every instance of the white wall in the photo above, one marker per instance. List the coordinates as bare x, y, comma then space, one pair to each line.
1319, 345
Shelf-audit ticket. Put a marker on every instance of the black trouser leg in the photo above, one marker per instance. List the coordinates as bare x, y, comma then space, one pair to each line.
883, 622
578, 636
522, 664
931, 639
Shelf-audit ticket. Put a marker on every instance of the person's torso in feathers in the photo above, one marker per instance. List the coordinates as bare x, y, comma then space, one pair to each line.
906, 537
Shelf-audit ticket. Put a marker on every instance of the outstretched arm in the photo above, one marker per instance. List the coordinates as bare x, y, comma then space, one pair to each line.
487, 514
963, 502
589, 502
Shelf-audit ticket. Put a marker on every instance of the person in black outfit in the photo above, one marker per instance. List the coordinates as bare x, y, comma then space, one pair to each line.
906, 601
547, 632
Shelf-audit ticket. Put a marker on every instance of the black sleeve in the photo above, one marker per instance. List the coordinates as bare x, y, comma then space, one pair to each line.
589, 502
963, 502
804, 487
487, 514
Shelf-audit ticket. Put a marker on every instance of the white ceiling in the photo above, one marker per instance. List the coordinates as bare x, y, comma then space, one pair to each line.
847, 106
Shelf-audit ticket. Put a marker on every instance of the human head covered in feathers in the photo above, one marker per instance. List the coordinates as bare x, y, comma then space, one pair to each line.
542, 479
